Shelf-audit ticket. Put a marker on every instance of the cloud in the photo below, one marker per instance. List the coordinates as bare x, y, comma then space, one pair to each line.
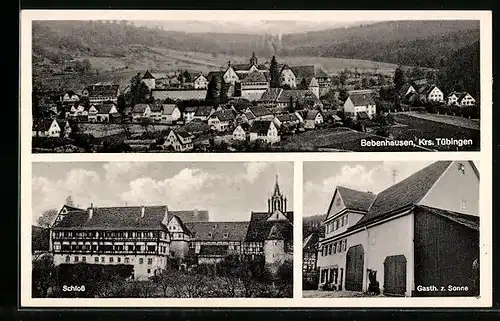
115, 170
51, 194
181, 187
253, 170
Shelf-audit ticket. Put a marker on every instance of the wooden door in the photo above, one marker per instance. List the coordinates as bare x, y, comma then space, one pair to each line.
395, 275
354, 268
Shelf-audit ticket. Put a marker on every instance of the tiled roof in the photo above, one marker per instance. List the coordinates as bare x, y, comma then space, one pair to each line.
168, 109
245, 126
259, 111
108, 218
296, 94
44, 124
469, 221
183, 133
260, 228
103, 90
363, 115
260, 127
183, 226
224, 115
191, 109
309, 72
404, 88
156, 108
407, 192
215, 231
362, 99
147, 75
188, 216
254, 76
271, 94
356, 200
313, 82
213, 250
310, 242
311, 114
139, 108
287, 117
104, 108
216, 74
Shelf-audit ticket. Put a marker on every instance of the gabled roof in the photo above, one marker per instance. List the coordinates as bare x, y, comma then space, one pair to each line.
157, 108
213, 250
260, 228
359, 99
224, 115
469, 221
426, 89
198, 76
244, 126
309, 71
183, 226
271, 94
463, 95
168, 109
406, 193
249, 115
254, 76
296, 94
139, 108
104, 108
363, 115
404, 88
312, 82
108, 218
103, 90
259, 111
260, 127
147, 75
191, 109
188, 216
311, 114
356, 200
217, 74
287, 117
44, 124
310, 242
215, 231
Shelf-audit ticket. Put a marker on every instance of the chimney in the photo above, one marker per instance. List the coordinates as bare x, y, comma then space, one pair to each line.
229, 63
143, 209
91, 210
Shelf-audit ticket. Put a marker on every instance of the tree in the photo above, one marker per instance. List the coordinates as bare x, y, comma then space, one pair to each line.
212, 97
274, 73
364, 82
86, 65
343, 95
69, 201
399, 78
47, 218
43, 276
343, 77
303, 84
291, 109
120, 104
187, 76
78, 66
138, 91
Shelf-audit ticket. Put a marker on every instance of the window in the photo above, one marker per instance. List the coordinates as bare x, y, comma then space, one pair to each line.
150, 261
338, 247
68, 259
346, 219
151, 248
330, 249
209, 234
111, 260
57, 246
130, 247
84, 259
226, 235
335, 225
334, 247
141, 260
96, 260
149, 271
102, 259
126, 260
118, 259
76, 258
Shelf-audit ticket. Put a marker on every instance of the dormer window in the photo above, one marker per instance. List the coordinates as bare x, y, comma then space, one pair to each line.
209, 234
226, 235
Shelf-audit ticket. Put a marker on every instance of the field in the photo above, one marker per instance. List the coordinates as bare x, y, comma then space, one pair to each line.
430, 129
121, 69
447, 119
336, 139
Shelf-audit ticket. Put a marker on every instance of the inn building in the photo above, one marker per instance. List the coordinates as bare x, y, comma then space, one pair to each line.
421, 231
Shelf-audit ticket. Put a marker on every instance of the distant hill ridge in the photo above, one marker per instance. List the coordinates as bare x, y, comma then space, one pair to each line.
423, 43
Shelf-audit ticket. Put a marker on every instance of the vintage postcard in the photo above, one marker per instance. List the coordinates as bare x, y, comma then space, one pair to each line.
288, 85
176, 157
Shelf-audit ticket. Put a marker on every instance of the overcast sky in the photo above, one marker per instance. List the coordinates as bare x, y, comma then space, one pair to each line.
252, 27
321, 179
228, 190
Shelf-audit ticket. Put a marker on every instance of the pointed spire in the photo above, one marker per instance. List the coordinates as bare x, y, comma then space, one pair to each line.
276, 187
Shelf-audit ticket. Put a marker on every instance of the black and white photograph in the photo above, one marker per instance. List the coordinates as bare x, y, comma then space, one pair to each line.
320, 85
162, 230
391, 229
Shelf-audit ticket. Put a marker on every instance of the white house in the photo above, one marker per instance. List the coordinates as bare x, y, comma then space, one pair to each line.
258, 113
312, 118
221, 120
289, 120
141, 111
200, 82
70, 97
406, 90
64, 126
230, 75
253, 85
180, 140
358, 103
404, 236
171, 113
203, 112
156, 112
241, 132
101, 113
460, 99
287, 77
431, 93
189, 113
264, 130
47, 127
313, 87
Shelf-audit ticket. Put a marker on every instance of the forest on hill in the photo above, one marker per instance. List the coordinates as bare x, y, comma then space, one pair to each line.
417, 43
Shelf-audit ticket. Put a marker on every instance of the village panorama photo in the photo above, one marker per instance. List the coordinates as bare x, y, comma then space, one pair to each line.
162, 230
375, 229
330, 85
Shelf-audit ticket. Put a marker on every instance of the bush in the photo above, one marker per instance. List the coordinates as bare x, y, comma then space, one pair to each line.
382, 131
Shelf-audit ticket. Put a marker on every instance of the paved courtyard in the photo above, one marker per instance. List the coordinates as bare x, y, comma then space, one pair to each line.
336, 294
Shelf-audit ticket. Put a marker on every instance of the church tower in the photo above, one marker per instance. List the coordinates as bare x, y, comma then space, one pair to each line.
253, 60
277, 202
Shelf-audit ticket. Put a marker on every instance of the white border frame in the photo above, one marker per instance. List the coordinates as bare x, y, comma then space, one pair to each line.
483, 158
